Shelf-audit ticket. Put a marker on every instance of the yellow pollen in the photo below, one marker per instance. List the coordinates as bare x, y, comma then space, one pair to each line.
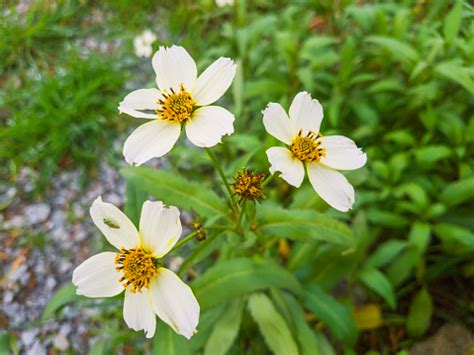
176, 106
138, 268
308, 148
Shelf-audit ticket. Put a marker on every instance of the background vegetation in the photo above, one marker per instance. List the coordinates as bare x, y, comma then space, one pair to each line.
396, 76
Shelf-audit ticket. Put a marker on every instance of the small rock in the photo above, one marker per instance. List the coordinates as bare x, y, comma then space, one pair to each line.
36, 213
15, 222
450, 339
36, 349
60, 342
28, 337
8, 297
50, 283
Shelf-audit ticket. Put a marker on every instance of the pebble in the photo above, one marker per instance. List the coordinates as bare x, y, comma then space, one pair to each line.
36, 213
60, 342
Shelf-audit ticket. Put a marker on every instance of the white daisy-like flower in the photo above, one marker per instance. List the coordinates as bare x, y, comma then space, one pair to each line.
182, 99
143, 42
222, 3
321, 155
136, 268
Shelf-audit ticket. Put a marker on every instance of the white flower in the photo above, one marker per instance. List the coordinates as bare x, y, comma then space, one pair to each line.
150, 289
307, 147
183, 99
143, 42
222, 3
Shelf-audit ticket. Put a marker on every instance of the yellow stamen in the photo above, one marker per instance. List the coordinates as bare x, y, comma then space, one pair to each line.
138, 267
308, 148
176, 106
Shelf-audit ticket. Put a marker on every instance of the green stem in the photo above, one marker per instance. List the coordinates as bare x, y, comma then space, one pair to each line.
241, 215
267, 180
183, 241
218, 166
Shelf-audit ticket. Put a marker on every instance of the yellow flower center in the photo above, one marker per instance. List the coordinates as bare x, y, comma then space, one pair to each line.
138, 267
176, 106
247, 185
308, 148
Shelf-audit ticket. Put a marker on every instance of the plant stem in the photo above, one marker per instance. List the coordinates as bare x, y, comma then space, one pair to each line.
267, 180
218, 166
183, 241
241, 215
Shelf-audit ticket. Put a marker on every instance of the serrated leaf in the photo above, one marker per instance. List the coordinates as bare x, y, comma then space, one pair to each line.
419, 316
62, 297
175, 190
225, 329
377, 282
273, 327
305, 335
304, 225
233, 278
166, 341
335, 316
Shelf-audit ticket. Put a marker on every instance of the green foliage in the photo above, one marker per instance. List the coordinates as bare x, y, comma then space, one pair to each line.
229, 279
396, 77
273, 327
176, 190
419, 316
62, 297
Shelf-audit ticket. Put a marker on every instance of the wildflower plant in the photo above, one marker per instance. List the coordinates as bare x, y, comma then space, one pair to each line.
183, 102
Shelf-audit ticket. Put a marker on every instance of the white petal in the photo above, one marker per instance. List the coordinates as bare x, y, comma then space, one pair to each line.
282, 160
174, 66
143, 99
342, 153
214, 81
174, 302
97, 277
160, 227
114, 224
332, 186
306, 113
151, 140
138, 312
278, 124
208, 125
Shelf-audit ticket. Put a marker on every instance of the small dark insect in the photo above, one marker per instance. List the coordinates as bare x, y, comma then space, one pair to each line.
111, 223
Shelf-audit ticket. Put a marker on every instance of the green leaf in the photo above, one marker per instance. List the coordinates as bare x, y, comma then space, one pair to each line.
272, 325
419, 316
456, 73
400, 50
387, 219
454, 233
226, 329
400, 269
166, 341
458, 192
452, 23
134, 202
63, 296
335, 315
233, 278
385, 253
377, 282
304, 225
199, 252
305, 335
419, 236
175, 190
